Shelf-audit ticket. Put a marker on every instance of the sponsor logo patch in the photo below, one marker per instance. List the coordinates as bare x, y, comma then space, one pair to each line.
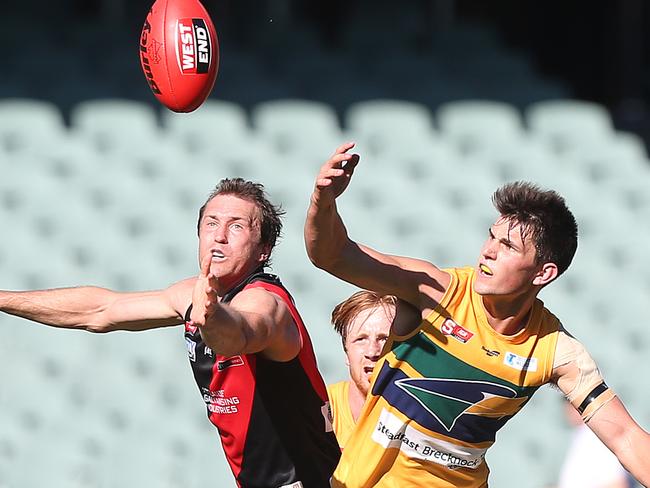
191, 349
193, 47
458, 332
391, 432
230, 362
490, 352
219, 402
520, 363
190, 328
326, 411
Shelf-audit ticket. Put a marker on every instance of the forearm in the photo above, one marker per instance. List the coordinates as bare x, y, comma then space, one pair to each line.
325, 235
73, 308
632, 452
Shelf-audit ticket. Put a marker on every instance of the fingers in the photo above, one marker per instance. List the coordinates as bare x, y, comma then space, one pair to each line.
205, 265
204, 298
338, 160
351, 164
343, 148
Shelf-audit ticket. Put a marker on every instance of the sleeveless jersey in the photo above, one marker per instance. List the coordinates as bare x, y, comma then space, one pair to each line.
273, 417
341, 415
440, 394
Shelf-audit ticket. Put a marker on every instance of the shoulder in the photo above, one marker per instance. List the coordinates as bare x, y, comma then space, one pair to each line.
336, 389
259, 297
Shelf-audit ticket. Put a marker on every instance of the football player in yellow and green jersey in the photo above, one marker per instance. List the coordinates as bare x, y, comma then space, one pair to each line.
485, 343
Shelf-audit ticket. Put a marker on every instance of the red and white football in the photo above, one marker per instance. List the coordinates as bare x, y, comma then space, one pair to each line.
179, 53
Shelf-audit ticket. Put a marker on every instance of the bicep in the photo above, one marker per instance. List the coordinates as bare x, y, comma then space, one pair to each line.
268, 325
577, 376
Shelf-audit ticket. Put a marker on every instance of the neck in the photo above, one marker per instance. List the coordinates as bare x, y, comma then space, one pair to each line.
226, 284
356, 399
508, 316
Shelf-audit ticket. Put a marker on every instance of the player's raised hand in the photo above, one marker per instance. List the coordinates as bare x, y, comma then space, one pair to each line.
204, 297
334, 176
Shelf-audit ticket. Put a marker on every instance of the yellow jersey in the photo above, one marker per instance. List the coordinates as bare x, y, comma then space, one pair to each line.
342, 422
439, 395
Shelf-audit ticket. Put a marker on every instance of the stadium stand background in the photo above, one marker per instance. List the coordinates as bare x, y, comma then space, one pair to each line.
447, 100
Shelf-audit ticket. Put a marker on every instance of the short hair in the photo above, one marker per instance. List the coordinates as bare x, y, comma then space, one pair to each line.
346, 311
544, 215
270, 215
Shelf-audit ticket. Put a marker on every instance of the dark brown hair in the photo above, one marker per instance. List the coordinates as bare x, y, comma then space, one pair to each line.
270, 216
346, 311
544, 216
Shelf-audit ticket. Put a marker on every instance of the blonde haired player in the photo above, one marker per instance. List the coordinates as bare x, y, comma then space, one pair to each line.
363, 321
484, 344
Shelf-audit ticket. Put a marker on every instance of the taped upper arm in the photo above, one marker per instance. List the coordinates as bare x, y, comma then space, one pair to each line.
577, 376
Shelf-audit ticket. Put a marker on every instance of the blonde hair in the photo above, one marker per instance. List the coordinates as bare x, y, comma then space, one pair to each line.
346, 311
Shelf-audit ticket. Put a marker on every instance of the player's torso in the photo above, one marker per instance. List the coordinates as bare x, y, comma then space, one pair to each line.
341, 414
439, 396
272, 416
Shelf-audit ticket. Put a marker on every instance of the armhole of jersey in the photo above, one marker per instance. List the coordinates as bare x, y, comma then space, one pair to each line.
434, 314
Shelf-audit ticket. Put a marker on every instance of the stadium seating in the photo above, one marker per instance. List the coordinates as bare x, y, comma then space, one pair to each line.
114, 125
565, 124
474, 125
301, 127
122, 409
27, 124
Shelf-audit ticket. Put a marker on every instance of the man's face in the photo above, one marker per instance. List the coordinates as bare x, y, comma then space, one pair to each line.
507, 264
367, 334
229, 231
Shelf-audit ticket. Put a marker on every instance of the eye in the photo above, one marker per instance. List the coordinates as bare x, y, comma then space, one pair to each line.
236, 226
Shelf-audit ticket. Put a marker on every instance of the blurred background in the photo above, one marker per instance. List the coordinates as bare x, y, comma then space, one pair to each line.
446, 100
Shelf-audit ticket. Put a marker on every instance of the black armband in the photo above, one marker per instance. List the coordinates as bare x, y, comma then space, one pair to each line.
593, 394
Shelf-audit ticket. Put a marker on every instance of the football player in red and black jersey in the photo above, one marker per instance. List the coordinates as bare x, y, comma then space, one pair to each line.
251, 355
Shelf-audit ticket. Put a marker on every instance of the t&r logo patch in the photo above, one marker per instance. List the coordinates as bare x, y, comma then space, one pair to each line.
458, 332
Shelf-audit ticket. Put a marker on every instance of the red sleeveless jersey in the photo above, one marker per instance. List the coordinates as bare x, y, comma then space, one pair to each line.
273, 417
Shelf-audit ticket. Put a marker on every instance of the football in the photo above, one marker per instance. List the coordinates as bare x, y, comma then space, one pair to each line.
179, 53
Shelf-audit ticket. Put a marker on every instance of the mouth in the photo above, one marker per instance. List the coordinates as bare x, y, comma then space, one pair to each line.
368, 370
485, 270
218, 255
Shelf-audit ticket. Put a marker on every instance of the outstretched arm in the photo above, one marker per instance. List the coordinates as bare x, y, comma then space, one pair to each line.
256, 320
624, 437
98, 309
418, 282
577, 376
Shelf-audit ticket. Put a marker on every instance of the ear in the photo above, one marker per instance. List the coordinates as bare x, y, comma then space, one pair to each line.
547, 273
264, 255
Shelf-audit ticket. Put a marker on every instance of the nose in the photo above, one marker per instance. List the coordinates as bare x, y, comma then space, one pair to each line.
373, 352
220, 234
489, 249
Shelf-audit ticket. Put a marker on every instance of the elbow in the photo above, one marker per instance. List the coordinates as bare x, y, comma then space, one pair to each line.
97, 328
321, 260
327, 257
98, 323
